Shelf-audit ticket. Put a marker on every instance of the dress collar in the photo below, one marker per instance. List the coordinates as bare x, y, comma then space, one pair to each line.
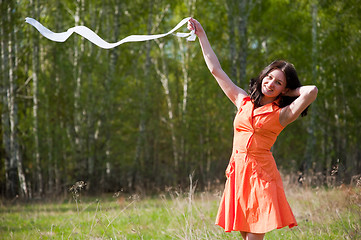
268, 108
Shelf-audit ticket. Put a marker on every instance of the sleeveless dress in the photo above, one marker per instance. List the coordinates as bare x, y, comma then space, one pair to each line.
254, 199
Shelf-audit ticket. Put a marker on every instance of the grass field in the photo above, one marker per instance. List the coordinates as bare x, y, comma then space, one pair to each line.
321, 214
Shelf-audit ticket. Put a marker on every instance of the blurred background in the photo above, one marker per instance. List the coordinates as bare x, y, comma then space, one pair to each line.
144, 116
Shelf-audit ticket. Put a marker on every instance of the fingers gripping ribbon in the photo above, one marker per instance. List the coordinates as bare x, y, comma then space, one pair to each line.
94, 38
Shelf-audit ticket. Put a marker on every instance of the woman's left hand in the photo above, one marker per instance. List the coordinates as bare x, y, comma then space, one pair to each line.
196, 26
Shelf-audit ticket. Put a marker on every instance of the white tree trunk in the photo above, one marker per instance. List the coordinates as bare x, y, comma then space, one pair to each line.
15, 158
53, 136
77, 91
5, 118
141, 145
184, 60
242, 28
232, 43
311, 138
165, 83
35, 68
245, 7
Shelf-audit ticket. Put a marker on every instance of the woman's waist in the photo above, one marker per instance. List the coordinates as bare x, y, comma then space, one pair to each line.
251, 151
261, 159
262, 156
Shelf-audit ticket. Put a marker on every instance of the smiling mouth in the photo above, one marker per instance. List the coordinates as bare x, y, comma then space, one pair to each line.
268, 89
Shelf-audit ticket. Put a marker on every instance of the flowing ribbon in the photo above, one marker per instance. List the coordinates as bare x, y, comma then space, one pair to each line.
94, 38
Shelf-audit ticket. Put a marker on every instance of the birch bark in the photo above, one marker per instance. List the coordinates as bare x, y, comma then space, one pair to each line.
35, 71
15, 157
165, 84
141, 144
242, 28
55, 136
232, 42
78, 52
245, 7
311, 138
5, 118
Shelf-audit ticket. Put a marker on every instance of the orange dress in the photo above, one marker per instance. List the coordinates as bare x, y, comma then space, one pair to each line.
254, 199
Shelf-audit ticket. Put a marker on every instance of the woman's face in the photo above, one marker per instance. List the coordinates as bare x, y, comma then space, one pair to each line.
274, 84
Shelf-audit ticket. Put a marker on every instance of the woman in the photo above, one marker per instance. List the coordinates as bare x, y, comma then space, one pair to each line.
254, 201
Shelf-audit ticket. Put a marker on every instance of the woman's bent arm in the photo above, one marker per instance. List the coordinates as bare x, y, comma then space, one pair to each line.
305, 96
233, 92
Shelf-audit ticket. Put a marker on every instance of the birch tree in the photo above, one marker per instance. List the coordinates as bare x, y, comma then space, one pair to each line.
78, 71
309, 152
141, 143
163, 75
16, 164
232, 43
10, 177
242, 29
35, 71
54, 134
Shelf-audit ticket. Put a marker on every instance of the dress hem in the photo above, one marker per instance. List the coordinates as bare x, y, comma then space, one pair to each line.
259, 232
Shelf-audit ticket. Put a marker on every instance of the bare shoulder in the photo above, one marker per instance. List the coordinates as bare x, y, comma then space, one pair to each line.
240, 96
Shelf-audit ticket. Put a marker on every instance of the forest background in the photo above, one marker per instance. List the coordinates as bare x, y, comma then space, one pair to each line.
144, 116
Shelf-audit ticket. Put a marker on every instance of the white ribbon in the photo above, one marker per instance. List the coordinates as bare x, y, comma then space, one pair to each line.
94, 38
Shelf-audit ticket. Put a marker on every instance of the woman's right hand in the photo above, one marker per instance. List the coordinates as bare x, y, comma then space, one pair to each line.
196, 26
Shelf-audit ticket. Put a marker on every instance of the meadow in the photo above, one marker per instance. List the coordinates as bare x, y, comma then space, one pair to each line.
322, 213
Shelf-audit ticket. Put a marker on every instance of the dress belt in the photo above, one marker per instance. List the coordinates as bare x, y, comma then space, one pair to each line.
253, 152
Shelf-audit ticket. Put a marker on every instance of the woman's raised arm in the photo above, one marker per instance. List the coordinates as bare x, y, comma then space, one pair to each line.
305, 96
233, 92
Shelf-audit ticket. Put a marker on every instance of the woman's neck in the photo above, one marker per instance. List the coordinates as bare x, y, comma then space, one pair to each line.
265, 100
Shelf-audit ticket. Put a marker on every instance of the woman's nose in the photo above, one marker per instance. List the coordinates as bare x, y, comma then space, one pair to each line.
271, 83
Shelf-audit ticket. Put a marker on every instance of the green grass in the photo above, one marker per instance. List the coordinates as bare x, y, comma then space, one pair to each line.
321, 214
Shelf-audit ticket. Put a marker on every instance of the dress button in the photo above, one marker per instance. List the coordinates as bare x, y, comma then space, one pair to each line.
236, 151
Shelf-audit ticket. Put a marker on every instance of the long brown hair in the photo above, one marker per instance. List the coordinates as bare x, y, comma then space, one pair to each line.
292, 82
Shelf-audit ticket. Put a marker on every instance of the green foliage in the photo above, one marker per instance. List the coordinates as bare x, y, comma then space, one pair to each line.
118, 132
